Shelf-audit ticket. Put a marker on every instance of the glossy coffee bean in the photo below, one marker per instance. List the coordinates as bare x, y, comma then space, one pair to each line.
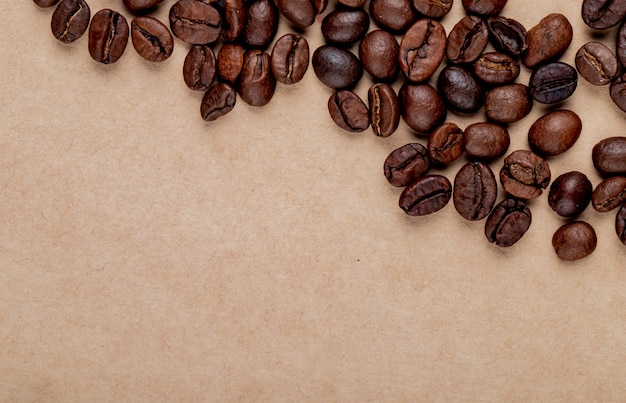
348, 111
508, 35
555, 132
406, 164
574, 240
195, 22
603, 14
484, 7
486, 141
199, 68
494, 68
426, 195
609, 156
570, 194
553, 82
620, 224
617, 90
290, 58
46, 3
261, 24
475, 191
395, 16
508, 103
70, 20
335, 67
384, 108
508, 222
378, 52
460, 90
421, 107
151, 38
433, 9
524, 174
422, 49
217, 101
301, 13
467, 40
138, 6
230, 62
547, 40
257, 83
445, 144
108, 36
609, 194
234, 19
596, 63
345, 27
620, 44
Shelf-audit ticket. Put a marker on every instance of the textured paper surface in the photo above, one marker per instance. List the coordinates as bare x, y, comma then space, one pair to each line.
147, 255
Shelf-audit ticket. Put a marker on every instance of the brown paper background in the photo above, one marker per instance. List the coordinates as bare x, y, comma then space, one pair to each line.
147, 255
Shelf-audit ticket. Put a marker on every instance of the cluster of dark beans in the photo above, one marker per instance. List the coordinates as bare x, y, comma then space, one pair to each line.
241, 29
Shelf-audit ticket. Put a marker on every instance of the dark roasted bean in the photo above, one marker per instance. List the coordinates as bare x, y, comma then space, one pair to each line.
230, 62
422, 107
151, 38
555, 132
603, 14
433, 9
108, 36
378, 53
70, 20
256, 83
620, 45
139, 6
384, 109
547, 40
496, 68
348, 111
301, 13
445, 144
508, 35
261, 24
609, 156
234, 19
345, 26
422, 49
335, 67
195, 22
406, 164
596, 63
395, 16
620, 224
484, 7
486, 141
553, 82
508, 103
290, 58
460, 89
426, 195
609, 194
617, 91
46, 3
574, 240
475, 191
199, 68
467, 40
570, 194
524, 174
217, 101
508, 222
352, 3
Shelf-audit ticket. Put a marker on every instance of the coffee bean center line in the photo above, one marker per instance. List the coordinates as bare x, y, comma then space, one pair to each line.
70, 19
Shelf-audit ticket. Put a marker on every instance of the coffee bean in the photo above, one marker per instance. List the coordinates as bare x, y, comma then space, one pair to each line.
348, 111
460, 90
378, 52
620, 224
422, 49
508, 103
108, 36
426, 195
406, 164
261, 24
609, 194
290, 58
256, 83
547, 40
421, 107
553, 82
335, 67
233, 20
384, 109
609, 156
603, 14
195, 22
596, 63
345, 27
445, 144
230, 62
475, 191
555, 132
484, 7
508, 222
617, 91
352, 3
395, 16
467, 40
46, 3
620, 45
301, 13
70, 20
199, 68
217, 101
574, 240
139, 6
486, 141
570, 194
524, 174
496, 68
433, 9
151, 38
508, 35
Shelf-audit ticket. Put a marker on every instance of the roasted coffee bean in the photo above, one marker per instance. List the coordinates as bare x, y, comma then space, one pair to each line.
433, 9
460, 90
352, 3
217, 101
555, 132
496, 68
467, 40
524, 174
46, 3
553, 82
335, 67
422, 49
547, 40
620, 45
620, 224
256, 83
609, 194
301, 13
574, 240
108, 36
603, 14
617, 91
475, 191
486, 141
484, 7
508, 103
406, 164
508, 35
233, 20
199, 68
195, 22
290, 58
508, 222
345, 26
395, 16
261, 24
570, 194
426, 195
609, 156
421, 107
378, 53
384, 109
138, 6
230, 62
596, 63
445, 144
348, 111
151, 38
70, 20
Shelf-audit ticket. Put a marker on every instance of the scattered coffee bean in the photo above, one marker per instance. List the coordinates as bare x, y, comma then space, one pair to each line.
348, 111
335, 67
596, 63
570, 194
620, 224
426, 195
460, 90
199, 68
496, 68
508, 103
108, 36
378, 52
475, 191
230, 62
555, 132
384, 109
406, 164
508, 222
345, 27
261, 24
217, 101
195, 22
445, 144
547, 40
508, 35
574, 240
301, 13
486, 141
422, 49
233, 20
609, 156
467, 40
46, 3
421, 107
553, 82
151, 38
140, 6
603, 14
256, 83
433, 9
524, 174
395, 16
484, 7
617, 91
70, 20
620, 45
290, 58
609, 194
